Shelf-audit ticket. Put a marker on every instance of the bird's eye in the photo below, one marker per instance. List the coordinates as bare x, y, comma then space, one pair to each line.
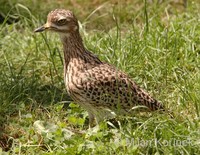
61, 21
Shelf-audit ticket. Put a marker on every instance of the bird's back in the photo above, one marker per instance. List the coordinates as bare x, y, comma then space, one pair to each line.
102, 86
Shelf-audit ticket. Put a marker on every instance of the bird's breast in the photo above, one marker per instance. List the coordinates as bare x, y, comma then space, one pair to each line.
74, 79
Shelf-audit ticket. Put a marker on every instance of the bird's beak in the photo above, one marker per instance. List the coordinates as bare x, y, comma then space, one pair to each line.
42, 28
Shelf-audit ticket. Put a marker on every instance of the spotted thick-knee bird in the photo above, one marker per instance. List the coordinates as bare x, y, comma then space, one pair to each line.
97, 86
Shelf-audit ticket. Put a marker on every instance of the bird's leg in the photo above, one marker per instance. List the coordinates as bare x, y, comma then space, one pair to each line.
91, 120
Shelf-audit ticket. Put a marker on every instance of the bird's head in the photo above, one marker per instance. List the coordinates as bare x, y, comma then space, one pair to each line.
61, 21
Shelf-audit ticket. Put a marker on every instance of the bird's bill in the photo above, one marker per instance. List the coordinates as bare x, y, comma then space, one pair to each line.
42, 28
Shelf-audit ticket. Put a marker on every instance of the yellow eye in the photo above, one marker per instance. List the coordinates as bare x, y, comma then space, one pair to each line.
61, 22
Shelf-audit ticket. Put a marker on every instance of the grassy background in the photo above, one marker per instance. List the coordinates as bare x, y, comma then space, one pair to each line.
157, 44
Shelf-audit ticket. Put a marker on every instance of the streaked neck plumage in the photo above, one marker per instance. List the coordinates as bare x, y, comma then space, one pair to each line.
74, 49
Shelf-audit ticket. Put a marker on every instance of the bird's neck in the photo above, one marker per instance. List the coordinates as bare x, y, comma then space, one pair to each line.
73, 46
74, 50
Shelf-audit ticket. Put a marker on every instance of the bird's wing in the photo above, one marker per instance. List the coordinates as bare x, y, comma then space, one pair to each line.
106, 79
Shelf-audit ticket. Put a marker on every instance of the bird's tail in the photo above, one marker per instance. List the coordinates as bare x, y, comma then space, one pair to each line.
153, 104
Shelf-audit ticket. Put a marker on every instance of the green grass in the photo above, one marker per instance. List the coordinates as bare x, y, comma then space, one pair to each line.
157, 45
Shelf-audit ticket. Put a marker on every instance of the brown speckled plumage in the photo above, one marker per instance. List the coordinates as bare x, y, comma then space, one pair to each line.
96, 86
